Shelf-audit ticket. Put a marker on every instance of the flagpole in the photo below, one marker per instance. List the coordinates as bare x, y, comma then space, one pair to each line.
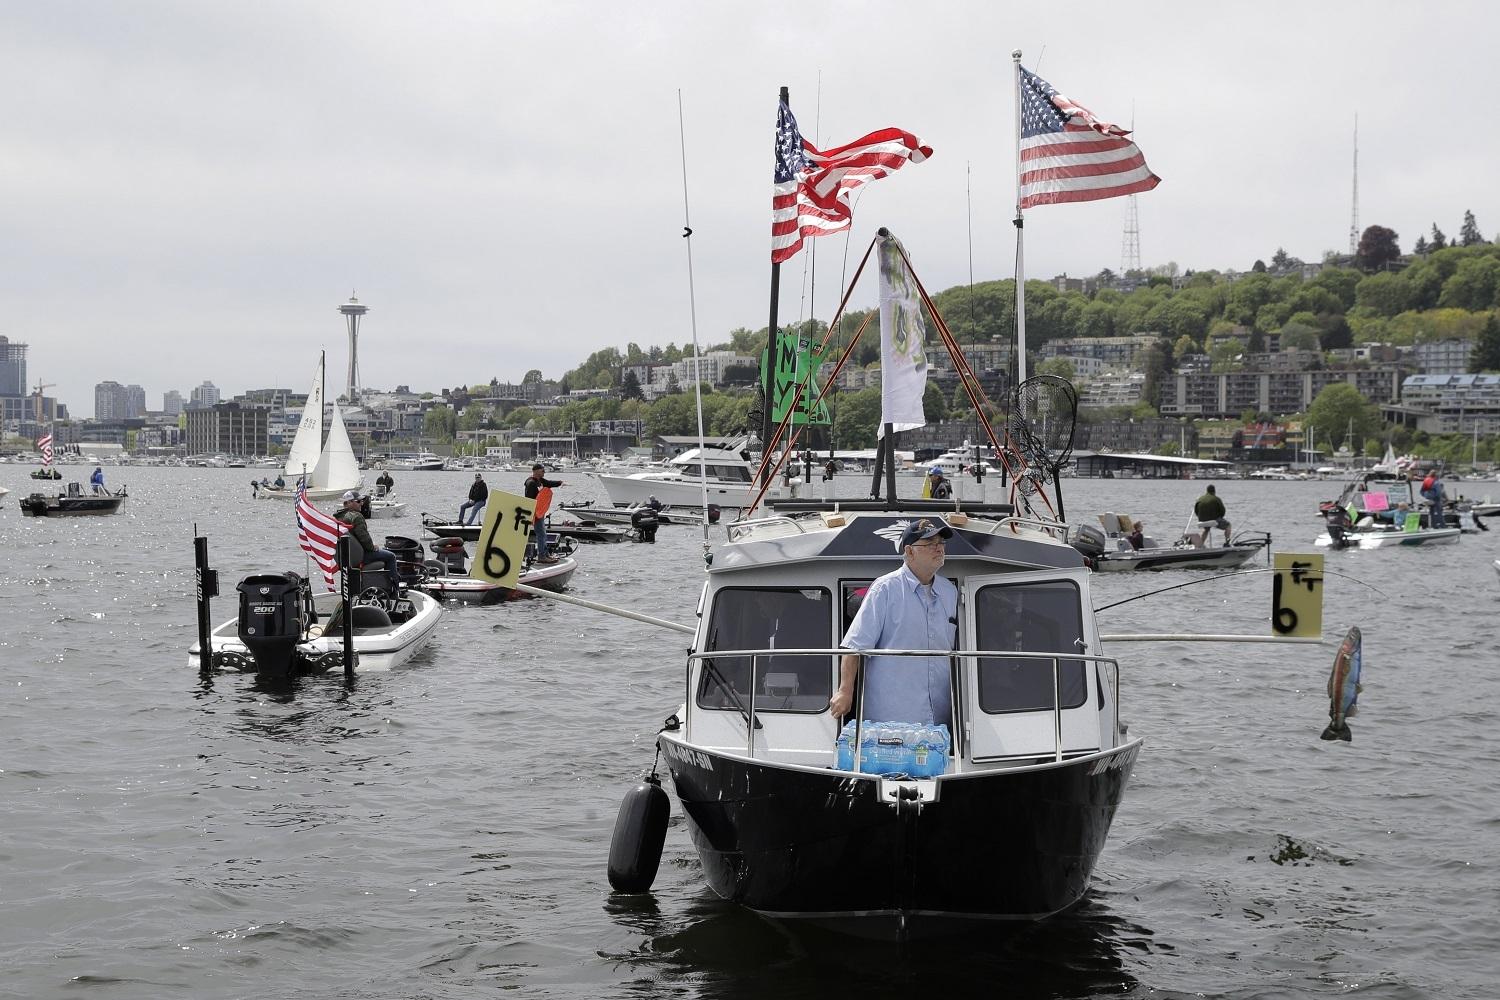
768, 374
1020, 223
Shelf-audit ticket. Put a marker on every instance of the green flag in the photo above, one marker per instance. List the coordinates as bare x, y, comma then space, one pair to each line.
794, 361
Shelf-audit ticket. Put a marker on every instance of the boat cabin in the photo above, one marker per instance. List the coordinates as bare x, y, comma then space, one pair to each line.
1028, 684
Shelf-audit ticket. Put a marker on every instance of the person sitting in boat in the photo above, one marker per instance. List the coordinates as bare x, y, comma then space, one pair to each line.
97, 480
912, 607
385, 484
351, 515
534, 484
472, 509
1137, 536
653, 503
939, 488
280, 482
1209, 510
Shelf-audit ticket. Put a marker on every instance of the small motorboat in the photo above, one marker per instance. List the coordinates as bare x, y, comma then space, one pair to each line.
446, 575
1370, 534
556, 531
1110, 550
74, 503
47, 473
383, 508
587, 510
283, 629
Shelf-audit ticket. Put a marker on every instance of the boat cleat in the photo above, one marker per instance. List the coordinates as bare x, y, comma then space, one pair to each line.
897, 792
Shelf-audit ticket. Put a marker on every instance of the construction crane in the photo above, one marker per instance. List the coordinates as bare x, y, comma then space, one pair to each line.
38, 392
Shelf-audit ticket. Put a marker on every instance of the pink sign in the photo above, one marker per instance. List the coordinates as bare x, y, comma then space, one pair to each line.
1377, 501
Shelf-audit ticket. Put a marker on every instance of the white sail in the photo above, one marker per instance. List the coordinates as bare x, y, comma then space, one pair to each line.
337, 468
308, 444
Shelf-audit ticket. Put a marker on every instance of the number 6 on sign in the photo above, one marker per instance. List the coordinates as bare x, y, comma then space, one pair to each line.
502, 539
1297, 595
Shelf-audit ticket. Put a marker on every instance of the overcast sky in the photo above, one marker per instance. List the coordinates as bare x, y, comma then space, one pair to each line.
188, 190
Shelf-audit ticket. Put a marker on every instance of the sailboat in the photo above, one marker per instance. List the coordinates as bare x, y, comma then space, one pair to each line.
329, 465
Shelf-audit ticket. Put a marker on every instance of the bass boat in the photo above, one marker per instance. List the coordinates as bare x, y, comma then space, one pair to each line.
74, 503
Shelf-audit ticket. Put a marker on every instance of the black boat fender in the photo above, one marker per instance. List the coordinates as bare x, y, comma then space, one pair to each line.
640, 831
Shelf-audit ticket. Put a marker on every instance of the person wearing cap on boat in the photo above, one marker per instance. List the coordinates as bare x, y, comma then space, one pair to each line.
939, 488
653, 503
472, 509
97, 480
1209, 510
386, 483
912, 607
350, 515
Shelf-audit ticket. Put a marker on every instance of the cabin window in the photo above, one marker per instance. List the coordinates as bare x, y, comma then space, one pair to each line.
1035, 617
768, 618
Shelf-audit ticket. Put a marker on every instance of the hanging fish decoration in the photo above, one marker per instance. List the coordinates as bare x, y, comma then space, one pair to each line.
1343, 686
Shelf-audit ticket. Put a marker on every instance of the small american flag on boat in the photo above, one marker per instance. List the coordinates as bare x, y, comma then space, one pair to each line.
44, 445
318, 534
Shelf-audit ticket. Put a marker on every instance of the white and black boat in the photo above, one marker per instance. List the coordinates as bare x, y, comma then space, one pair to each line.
1012, 826
722, 472
556, 530
446, 575
284, 629
75, 502
1110, 550
587, 510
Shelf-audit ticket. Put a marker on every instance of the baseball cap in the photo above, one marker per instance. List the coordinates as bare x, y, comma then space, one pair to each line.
937, 470
350, 495
923, 528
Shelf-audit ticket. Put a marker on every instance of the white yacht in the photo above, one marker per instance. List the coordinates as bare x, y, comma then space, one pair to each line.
422, 461
725, 471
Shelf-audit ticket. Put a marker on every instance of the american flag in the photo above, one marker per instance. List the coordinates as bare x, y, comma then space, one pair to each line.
44, 445
318, 534
811, 190
1069, 155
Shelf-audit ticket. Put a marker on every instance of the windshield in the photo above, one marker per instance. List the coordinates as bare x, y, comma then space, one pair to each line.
768, 618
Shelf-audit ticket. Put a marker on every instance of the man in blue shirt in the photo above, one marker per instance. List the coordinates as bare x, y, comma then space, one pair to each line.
911, 608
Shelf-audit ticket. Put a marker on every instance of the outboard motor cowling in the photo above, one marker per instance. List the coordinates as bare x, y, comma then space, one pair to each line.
270, 622
645, 521
1089, 540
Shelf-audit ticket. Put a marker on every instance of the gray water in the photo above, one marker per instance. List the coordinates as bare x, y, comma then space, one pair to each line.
442, 830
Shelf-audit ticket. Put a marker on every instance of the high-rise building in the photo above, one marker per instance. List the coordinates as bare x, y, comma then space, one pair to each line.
171, 402
12, 368
135, 402
204, 396
109, 401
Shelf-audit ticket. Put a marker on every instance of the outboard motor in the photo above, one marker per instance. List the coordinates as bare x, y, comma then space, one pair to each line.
645, 521
409, 556
1090, 541
270, 623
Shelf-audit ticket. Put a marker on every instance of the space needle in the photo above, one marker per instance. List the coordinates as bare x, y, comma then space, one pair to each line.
352, 311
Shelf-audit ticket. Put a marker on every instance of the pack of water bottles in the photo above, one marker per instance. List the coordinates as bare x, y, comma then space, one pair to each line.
892, 748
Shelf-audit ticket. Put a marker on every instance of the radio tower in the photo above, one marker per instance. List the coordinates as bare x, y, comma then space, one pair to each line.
352, 311
1130, 245
1354, 212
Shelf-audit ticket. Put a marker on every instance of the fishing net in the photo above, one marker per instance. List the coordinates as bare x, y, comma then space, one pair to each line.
1043, 417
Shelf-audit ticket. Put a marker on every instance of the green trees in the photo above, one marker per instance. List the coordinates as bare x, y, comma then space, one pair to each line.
1469, 234
1486, 356
1475, 285
1332, 412
438, 423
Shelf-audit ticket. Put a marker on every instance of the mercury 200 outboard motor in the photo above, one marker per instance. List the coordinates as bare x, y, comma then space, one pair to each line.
271, 622
645, 521
1090, 541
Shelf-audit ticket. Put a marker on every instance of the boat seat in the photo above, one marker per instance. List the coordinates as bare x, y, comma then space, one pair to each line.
368, 617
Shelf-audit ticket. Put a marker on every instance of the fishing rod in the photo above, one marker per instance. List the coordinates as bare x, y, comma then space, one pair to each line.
1229, 576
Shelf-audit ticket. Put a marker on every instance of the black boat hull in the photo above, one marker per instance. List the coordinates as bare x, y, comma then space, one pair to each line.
37, 505
1015, 844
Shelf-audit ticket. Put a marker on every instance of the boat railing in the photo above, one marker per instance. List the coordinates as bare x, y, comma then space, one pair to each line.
738, 529
966, 659
1057, 529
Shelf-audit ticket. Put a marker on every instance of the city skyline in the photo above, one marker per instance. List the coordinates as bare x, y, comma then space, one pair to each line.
504, 185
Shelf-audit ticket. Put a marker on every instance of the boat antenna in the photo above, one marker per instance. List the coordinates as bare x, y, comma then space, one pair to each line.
1230, 576
687, 236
